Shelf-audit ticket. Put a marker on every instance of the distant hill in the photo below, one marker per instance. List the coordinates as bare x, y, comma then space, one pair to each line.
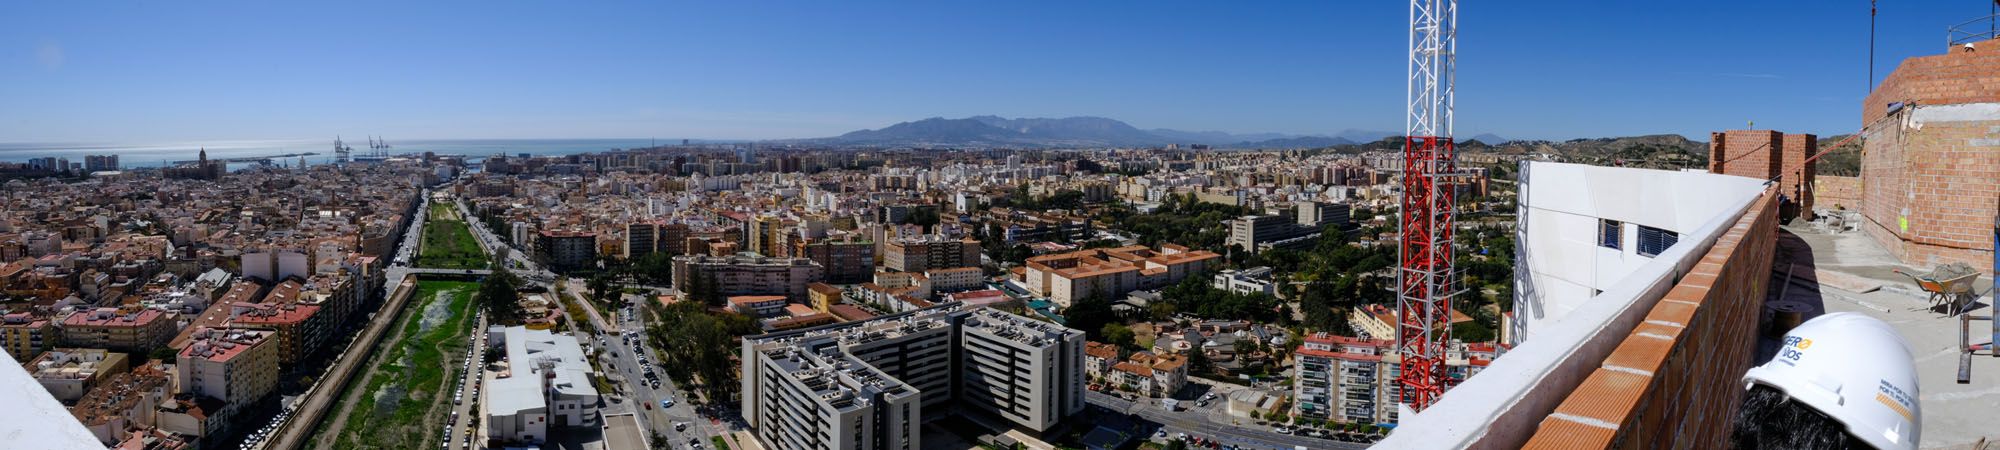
1664, 150
1064, 132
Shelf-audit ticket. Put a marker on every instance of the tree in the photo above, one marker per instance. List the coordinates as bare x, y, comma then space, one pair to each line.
1177, 444
1119, 335
1198, 362
1090, 315
600, 287
659, 441
163, 354
498, 297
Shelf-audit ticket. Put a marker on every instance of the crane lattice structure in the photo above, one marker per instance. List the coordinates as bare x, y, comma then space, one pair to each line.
1425, 279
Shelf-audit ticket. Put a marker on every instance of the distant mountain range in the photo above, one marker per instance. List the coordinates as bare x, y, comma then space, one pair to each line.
995, 131
1086, 131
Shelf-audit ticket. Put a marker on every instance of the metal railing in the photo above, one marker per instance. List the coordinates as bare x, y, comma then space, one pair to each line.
1968, 32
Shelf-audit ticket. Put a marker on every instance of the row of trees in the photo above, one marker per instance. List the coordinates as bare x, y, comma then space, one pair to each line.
697, 344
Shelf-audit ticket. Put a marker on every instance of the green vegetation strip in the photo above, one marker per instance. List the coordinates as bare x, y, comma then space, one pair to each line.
407, 397
720, 444
448, 242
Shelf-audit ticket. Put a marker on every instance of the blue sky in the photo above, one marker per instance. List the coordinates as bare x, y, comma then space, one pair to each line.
190, 71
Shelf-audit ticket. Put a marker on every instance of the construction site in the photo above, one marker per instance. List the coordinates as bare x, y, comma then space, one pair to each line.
1649, 303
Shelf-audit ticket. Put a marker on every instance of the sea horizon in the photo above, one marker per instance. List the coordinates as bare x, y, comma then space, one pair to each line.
142, 155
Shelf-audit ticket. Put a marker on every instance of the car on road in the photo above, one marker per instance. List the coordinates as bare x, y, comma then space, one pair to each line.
680, 426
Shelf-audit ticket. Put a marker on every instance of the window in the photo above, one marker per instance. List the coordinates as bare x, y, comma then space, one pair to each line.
1608, 235
1653, 241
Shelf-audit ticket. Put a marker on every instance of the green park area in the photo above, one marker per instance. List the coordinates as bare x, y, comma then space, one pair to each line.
448, 242
403, 397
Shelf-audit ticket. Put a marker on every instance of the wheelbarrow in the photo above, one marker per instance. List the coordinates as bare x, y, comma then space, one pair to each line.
1949, 284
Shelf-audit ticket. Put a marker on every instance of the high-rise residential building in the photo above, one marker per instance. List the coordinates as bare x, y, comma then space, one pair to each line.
1027, 371
100, 163
127, 330
641, 239
764, 234
566, 250
918, 254
847, 261
1341, 378
869, 384
671, 238
234, 367
298, 329
745, 274
24, 335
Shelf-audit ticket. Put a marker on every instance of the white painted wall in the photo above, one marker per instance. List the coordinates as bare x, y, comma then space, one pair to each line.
1561, 266
1504, 404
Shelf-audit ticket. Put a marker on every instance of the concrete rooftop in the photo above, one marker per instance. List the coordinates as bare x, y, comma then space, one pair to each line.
1847, 272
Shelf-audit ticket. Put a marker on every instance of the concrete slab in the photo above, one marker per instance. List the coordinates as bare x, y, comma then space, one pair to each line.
622, 432
1954, 415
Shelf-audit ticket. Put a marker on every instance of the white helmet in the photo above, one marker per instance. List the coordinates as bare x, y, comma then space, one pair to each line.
1856, 370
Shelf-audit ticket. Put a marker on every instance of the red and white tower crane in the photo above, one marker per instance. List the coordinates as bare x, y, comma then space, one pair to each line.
1425, 281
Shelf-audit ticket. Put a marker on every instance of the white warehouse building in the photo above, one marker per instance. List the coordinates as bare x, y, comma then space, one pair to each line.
546, 380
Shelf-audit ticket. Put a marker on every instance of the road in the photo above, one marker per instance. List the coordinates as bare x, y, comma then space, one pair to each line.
1201, 423
318, 400
468, 384
622, 365
517, 261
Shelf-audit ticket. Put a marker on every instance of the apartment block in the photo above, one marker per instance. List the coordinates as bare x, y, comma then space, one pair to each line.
235, 367
928, 252
129, 330
641, 239
24, 335
1027, 371
1109, 273
956, 279
566, 250
847, 261
750, 274
867, 384
1341, 378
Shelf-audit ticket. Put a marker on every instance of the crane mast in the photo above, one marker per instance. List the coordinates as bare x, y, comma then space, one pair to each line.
1425, 279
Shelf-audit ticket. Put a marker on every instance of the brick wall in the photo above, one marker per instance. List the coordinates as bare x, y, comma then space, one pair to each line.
1768, 154
1797, 176
1675, 381
1833, 192
1930, 183
1929, 192
1951, 78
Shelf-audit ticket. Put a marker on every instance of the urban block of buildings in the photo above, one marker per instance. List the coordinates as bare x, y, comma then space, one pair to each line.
870, 384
